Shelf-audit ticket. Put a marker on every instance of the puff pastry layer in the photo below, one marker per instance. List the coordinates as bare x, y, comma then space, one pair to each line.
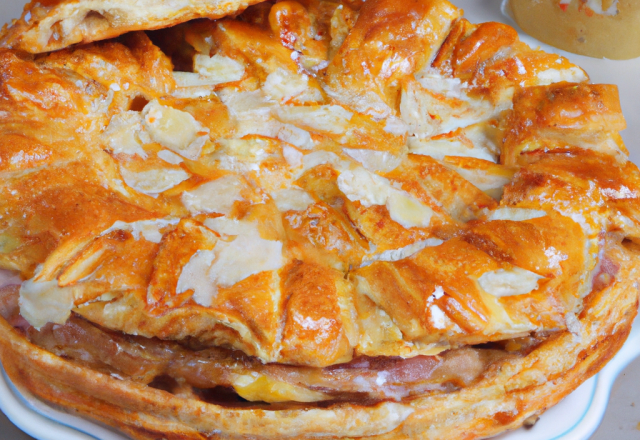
381, 207
55, 24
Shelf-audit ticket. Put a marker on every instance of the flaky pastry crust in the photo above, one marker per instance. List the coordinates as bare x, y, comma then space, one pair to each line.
353, 220
519, 389
55, 24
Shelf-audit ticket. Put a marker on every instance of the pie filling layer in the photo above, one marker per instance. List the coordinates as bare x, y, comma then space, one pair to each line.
233, 379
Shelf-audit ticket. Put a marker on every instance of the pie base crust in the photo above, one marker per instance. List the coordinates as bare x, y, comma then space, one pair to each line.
531, 383
54, 25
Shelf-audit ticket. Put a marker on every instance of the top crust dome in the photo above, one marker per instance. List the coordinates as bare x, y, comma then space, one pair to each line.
319, 182
312, 220
49, 25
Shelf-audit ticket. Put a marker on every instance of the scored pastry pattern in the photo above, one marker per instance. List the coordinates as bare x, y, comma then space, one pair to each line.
310, 183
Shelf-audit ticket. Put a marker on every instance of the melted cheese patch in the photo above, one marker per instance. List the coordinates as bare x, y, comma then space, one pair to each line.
44, 301
245, 256
321, 118
396, 126
170, 157
292, 156
514, 281
515, 214
154, 181
322, 157
373, 160
484, 180
148, 229
370, 189
253, 113
125, 134
294, 135
245, 149
226, 226
227, 264
292, 199
216, 196
257, 387
253, 102
284, 86
441, 148
408, 211
191, 278
551, 76
218, 69
175, 129
242, 155
367, 188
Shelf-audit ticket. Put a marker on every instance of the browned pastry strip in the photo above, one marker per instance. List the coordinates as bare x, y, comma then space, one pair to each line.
389, 40
55, 24
531, 383
494, 62
564, 115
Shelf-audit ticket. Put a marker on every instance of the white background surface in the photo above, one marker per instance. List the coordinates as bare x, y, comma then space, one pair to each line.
622, 419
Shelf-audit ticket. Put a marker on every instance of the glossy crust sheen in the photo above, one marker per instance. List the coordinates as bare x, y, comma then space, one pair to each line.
315, 185
503, 400
55, 24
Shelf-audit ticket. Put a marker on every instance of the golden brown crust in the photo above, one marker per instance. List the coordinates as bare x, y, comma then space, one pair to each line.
387, 42
493, 66
50, 157
557, 116
52, 25
311, 190
531, 383
258, 313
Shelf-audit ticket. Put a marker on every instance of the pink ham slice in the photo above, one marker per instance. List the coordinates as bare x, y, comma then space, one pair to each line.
154, 362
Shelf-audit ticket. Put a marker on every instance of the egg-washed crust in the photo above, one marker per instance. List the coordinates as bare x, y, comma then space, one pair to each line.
586, 28
422, 260
519, 389
316, 183
55, 24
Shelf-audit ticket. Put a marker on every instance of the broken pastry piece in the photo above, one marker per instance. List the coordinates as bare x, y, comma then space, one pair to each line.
55, 24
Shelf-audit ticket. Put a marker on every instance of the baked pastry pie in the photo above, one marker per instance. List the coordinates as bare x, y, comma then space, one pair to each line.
310, 220
55, 24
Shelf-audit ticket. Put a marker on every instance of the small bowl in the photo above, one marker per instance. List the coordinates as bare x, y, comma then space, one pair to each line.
596, 28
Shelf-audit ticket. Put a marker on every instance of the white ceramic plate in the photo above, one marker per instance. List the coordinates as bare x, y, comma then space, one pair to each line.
575, 418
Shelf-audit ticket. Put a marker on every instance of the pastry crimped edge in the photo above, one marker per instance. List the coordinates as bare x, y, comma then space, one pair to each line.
507, 395
88, 21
